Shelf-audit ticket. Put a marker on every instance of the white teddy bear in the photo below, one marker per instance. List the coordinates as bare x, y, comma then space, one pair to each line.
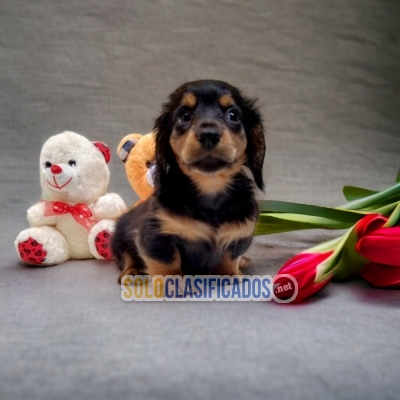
75, 217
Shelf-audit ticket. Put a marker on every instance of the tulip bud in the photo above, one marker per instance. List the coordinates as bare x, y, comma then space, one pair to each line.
303, 267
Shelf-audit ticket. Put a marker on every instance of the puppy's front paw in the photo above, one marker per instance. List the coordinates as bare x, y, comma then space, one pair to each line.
244, 262
128, 271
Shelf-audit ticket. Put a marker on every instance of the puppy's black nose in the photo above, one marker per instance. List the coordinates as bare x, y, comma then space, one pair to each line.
209, 135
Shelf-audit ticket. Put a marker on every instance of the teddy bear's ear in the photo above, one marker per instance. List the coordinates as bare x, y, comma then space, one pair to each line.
104, 149
126, 145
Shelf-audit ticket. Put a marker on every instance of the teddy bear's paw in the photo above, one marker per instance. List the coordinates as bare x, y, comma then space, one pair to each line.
32, 252
109, 206
103, 245
100, 239
43, 245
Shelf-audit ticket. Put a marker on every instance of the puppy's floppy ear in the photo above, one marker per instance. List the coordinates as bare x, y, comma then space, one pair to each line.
255, 150
162, 129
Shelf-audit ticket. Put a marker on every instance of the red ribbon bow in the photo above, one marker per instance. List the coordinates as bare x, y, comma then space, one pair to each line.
80, 212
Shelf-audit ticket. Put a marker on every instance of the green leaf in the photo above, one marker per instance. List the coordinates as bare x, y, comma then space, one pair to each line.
344, 261
271, 206
387, 210
354, 193
387, 196
398, 177
394, 216
350, 261
325, 269
374, 208
325, 246
277, 223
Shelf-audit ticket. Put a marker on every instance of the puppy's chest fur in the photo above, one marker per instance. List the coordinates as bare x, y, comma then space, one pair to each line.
222, 217
205, 228
202, 244
195, 230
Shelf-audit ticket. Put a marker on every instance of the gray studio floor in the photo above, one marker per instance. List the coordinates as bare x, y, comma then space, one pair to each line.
327, 77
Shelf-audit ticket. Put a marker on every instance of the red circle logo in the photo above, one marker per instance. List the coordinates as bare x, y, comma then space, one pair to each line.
285, 288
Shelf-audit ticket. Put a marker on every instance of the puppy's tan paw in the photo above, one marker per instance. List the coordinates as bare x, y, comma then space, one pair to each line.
244, 262
125, 272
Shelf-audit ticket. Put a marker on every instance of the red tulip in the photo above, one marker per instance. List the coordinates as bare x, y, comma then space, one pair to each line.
381, 275
369, 224
303, 267
381, 246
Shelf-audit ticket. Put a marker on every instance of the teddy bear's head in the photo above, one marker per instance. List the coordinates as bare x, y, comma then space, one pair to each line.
138, 154
73, 169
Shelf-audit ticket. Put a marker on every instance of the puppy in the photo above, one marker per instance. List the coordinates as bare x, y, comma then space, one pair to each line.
202, 215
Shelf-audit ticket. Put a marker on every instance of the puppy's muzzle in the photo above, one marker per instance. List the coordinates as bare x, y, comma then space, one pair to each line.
208, 134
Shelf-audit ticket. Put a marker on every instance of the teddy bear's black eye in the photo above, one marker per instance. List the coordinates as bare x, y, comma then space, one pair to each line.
148, 164
47, 164
72, 162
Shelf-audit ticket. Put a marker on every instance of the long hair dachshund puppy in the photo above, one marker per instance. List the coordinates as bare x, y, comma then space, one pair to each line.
202, 215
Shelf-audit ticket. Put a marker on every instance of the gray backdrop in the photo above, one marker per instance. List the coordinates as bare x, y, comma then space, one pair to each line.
326, 73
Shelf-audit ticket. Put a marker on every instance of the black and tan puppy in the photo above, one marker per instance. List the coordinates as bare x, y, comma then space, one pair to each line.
203, 213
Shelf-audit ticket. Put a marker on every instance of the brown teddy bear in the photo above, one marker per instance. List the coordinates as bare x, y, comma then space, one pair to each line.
138, 154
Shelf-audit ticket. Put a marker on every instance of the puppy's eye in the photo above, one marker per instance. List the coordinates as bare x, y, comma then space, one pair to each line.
232, 115
184, 117
47, 164
72, 162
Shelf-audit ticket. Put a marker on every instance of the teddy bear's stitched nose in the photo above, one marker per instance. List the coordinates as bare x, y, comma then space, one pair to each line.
55, 169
